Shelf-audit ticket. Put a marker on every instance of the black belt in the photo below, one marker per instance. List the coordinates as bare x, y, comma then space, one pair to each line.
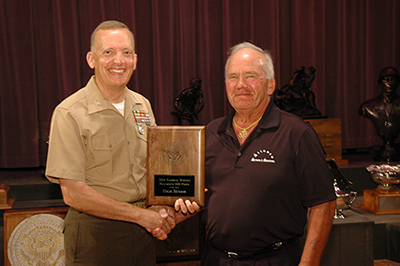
272, 247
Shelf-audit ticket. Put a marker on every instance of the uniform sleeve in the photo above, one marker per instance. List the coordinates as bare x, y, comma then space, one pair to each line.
315, 177
66, 157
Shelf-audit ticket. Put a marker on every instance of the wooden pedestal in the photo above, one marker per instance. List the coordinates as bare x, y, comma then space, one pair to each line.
350, 242
378, 202
329, 131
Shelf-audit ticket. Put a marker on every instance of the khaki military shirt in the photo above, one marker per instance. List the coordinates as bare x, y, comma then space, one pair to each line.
91, 141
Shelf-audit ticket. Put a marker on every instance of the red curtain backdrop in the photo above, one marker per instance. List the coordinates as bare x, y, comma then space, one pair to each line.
44, 43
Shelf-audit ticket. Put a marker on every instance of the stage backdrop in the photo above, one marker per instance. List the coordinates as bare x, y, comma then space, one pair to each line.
43, 44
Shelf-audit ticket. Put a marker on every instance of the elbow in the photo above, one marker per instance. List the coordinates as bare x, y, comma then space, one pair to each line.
68, 199
68, 193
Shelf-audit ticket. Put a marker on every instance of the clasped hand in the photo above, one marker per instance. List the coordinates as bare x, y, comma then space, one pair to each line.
173, 215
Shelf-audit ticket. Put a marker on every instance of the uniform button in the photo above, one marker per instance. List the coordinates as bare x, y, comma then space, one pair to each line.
129, 142
239, 154
110, 146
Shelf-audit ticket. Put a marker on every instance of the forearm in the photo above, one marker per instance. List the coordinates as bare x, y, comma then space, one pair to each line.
84, 198
318, 228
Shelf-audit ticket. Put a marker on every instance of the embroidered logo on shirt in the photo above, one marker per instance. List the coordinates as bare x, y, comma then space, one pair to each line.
263, 156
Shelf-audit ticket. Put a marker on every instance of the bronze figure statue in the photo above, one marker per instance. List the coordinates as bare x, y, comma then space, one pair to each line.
296, 96
190, 102
384, 112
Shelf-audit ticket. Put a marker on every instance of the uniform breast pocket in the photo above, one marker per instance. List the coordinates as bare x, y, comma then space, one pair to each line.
109, 154
141, 129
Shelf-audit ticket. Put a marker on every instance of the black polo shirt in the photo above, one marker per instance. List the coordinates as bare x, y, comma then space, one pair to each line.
259, 192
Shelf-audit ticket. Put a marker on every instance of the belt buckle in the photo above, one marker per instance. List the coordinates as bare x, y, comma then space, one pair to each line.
232, 255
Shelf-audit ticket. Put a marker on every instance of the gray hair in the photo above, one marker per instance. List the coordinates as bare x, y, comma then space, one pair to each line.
268, 65
108, 25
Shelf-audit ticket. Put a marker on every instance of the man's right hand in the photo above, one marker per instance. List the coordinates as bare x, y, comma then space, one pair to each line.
166, 213
79, 195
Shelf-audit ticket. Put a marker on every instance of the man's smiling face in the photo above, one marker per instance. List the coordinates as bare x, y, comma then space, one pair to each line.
113, 58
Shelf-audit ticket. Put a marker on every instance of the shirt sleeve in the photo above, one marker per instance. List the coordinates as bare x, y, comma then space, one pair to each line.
66, 156
315, 177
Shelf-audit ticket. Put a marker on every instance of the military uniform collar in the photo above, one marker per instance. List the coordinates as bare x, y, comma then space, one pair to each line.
96, 100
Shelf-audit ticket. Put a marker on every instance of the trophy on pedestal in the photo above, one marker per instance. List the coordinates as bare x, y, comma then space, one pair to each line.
385, 199
345, 196
296, 96
344, 200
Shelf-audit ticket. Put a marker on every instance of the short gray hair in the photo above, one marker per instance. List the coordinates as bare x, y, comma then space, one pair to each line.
108, 25
268, 65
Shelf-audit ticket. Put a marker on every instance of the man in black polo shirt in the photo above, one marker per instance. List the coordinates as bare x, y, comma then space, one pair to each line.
265, 169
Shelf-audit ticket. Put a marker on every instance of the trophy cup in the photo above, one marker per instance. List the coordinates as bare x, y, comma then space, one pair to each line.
175, 164
385, 199
344, 195
343, 201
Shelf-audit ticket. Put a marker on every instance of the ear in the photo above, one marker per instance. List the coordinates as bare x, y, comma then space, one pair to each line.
135, 58
271, 86
90, 59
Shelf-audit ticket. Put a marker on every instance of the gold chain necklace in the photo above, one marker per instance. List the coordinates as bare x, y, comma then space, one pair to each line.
243, 134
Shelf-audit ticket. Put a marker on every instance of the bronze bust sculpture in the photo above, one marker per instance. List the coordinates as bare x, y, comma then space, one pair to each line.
384, 112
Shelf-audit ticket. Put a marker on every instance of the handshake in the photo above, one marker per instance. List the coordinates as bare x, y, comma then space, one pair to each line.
170, 216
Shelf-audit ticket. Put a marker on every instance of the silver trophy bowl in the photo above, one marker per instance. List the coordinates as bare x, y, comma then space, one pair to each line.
387, 176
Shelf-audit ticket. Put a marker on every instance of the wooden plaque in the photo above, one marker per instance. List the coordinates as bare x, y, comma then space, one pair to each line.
175, 164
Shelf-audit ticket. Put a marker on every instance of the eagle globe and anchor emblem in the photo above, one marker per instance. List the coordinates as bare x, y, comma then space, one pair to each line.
37, 241
174, 153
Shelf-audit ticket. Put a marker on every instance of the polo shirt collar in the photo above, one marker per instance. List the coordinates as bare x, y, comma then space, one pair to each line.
270, 119
226, 122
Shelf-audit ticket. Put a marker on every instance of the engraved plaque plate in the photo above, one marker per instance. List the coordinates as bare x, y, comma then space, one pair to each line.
175, 164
